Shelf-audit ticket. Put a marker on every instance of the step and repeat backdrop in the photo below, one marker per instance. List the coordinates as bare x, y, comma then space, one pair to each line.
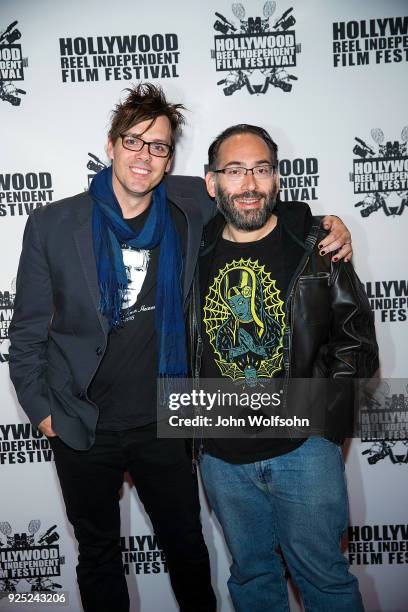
328, 79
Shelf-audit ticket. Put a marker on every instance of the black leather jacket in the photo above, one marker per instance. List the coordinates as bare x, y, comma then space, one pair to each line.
329, 323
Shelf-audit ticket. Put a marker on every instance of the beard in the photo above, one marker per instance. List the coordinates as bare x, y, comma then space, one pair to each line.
245, 220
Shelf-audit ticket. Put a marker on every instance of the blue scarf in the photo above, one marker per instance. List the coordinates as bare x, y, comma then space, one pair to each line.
109, 231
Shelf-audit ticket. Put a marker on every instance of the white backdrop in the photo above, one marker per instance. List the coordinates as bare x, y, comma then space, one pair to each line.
328, 79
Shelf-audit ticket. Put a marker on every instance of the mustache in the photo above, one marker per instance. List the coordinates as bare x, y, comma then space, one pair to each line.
248, 194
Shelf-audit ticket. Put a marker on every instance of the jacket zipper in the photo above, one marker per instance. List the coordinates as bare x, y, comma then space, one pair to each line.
288, 350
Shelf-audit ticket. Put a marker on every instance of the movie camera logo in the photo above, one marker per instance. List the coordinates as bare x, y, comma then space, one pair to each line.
377, 544
31, 556
143, 554
389, 299
115, 58
384, 422
12, 64
380, 173
379, 41
6, 313
253, 52
95, 165
23, 443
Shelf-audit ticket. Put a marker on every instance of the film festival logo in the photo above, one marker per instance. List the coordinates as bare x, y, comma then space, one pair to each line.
22, 193
6, 314
389, 299
12, 64
94, 165
32, 557
378, 544
23, 443
370, 41
380, 174
142, 555
384, 422
255, 52
299, 179
116, 58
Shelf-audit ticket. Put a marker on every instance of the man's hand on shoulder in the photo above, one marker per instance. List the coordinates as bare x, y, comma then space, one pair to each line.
339, 239
46, 427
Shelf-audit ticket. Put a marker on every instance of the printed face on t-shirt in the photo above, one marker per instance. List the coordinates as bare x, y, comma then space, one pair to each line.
136, 262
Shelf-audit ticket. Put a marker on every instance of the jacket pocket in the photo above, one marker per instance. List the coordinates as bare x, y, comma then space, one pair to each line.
314, 298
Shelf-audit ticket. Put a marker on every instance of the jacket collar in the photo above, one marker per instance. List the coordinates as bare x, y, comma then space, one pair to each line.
295, 218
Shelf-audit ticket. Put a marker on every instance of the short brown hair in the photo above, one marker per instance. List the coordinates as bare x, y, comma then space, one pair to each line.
145, 101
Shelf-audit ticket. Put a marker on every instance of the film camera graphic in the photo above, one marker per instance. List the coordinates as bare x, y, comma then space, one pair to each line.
388, 438
239, 78
8, 91
383, 154
95, 165
25, 541
6, 309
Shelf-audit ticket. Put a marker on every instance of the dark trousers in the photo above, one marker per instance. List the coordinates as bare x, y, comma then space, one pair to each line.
162, 474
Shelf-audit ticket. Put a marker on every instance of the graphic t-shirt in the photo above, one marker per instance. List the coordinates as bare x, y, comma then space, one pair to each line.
124, 387
243, 288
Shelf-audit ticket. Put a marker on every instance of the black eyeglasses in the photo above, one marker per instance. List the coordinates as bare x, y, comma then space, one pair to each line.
135, 143
236, 173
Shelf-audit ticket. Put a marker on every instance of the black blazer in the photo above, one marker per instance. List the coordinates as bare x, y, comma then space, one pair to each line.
57, 335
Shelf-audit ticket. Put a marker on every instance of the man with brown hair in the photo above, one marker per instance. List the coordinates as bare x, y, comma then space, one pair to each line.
86, 353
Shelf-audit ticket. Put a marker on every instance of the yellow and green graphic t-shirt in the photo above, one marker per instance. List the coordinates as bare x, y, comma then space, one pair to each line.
243, 287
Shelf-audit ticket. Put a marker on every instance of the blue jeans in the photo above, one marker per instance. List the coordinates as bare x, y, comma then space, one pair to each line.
297, 501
